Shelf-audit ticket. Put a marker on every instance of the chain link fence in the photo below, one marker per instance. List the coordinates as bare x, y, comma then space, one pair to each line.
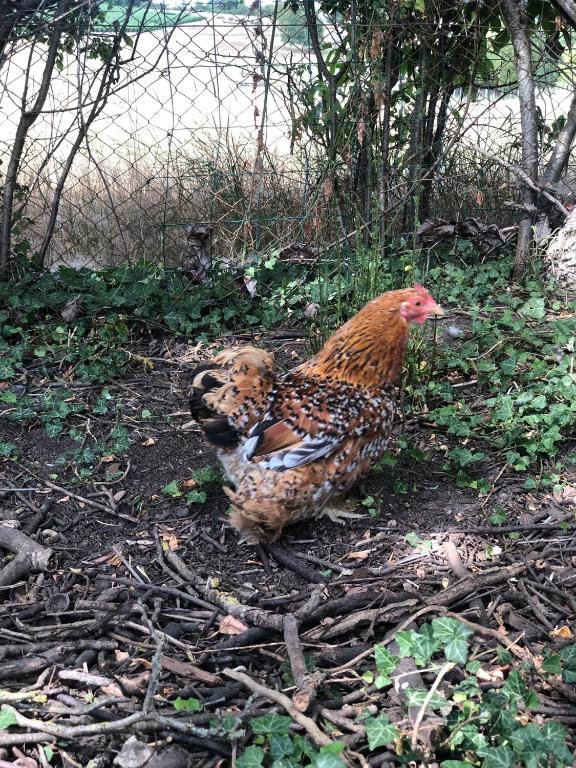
194, 130
176, 133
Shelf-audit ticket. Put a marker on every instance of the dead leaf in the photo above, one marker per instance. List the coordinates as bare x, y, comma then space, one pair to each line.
135, 683
360, 555
567, 494
490, 675
111, 557
63, 500
190, 483
170, 544
376, 43
121, 655
184, 669
563, 632
148, 442
119, 495
113, 468
112, 690
361, 131
251, 285
479, 198
356, 590
231, 626
23, 760
107, 459
169, 540
138, 661
134, 754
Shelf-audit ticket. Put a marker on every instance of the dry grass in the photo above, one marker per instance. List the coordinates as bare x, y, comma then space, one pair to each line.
135, 207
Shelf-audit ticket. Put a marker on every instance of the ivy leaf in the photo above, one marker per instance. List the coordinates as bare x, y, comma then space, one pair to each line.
386, 663
7, 718
271, 724
505, 410
415, 697
498, 517
454, 637
535, 308
196, 497
187, 705
568, 656
539, 403
554, 736
328, 761
252, 757
456, 764
380, 731
527, 742
413, 539
172, 489
463, 456
281, 745
552, 664
420, 645
515, 689
498, 757
54, 428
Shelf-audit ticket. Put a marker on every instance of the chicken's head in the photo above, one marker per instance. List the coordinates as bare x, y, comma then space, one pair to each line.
419, 305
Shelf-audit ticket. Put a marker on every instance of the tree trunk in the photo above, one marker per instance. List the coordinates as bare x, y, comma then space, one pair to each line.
561, 254
27, 118
519, 29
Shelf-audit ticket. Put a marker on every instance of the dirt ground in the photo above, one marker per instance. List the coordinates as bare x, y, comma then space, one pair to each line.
112, 533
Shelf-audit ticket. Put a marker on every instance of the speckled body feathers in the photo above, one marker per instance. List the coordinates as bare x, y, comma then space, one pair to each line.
291, 443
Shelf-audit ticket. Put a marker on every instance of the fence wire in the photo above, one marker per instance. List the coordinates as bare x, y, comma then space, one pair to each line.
161, 129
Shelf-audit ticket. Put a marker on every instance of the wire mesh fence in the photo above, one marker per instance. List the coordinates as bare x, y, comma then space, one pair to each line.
193, 130
127, 127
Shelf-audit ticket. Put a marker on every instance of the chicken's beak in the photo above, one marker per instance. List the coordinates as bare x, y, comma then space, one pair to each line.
436, 310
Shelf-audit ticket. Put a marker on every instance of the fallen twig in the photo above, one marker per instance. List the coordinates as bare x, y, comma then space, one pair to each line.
317, 736
305, 682
30, 556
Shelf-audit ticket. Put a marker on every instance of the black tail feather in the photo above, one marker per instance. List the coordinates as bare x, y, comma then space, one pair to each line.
217, 430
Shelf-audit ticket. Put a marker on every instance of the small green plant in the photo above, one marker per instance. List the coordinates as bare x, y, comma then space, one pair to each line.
480, 727
8, 451
499, 516
172, 489
370, 504
187, 705
415, 541
272, 738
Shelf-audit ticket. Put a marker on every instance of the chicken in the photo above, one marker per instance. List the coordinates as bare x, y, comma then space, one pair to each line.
291, 444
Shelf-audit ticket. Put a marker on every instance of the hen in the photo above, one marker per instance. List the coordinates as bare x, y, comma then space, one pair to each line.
291, 444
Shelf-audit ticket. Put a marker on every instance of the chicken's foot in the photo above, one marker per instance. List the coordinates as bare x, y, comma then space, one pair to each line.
340, 510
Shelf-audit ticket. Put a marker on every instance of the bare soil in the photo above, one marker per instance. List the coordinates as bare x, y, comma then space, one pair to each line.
113, 532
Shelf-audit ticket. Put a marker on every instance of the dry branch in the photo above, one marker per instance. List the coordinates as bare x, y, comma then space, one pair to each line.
317, 736
30, 556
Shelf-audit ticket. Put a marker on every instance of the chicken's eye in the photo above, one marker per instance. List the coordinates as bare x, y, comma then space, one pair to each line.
417, 303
